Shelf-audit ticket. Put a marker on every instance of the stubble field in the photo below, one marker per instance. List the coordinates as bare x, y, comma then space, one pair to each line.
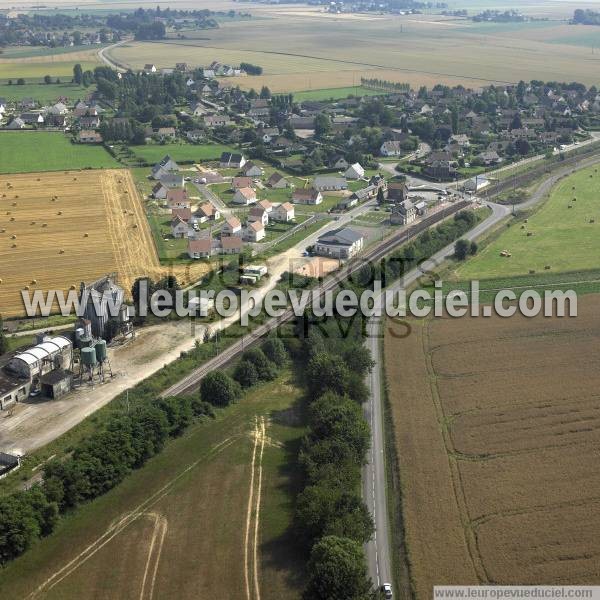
497, 425
58, 229
207, 518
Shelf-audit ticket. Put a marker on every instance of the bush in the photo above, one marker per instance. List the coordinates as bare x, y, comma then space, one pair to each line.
274, 349
461, 249
265, 369
219, 389
246, 374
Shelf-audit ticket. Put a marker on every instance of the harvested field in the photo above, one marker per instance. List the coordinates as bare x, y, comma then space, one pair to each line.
58, 229
497, 424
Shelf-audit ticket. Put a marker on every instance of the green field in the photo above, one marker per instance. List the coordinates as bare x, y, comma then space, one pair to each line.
44, 94
152, 153
32, 151
36, 71
197, 489
562, 238
336, 93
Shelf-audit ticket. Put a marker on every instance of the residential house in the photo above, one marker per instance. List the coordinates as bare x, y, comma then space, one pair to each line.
230, 160
217, 121
181, 67
3, 105
149, 68
341, 243
241, 182
33, 118
391, 148
252, 170
208, 74
232, 244
58, 109
88, 136
201, 248
195, 135
59, 121
207, 212
267, 134
165, 166
265, 205
348, 202
179, 228
27, 104
16, 123
254, 232
489, 157
178, 198
338, 162
404, 213
258, 214
441, 170
89, 122
284, 212
307, 196
244, 196
397, 191
167, 182
324, 183
277, 181
166, 133
232, 227
282, 143
460, 139
354, 171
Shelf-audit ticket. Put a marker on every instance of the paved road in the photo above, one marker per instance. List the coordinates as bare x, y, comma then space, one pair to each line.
109, 61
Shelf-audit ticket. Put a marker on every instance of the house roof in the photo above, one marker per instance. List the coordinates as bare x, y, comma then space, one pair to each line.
207, 209
256, 226
242, 181
230, 243
341, 237
177, 194
305, 193
287, 206
233, 222
265, 204
201, 245
275, 178
185, 214
248, 193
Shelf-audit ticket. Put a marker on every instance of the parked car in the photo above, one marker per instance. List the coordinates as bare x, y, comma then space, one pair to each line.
386, 590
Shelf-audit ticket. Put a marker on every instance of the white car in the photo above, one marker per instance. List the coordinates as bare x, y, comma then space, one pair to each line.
386, 590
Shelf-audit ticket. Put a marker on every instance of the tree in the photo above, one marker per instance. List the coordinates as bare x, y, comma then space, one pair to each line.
523, 147
265, 92
327, 372
246, 374
337, 570
473, 248
20, 81
275, 351
265, 369
322, 125
219, 389
3, 340
380, 197
47, 79
461, 249
77, 74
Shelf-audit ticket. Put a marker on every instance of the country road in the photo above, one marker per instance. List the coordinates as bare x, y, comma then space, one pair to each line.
109, 61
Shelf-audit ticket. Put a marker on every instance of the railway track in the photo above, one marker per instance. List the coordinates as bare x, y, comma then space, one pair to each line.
190, 383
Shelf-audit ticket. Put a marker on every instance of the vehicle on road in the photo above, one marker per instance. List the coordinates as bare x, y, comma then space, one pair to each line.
386, 590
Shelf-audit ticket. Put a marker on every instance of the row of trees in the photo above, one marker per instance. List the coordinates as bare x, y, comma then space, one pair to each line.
331, 521
96, 465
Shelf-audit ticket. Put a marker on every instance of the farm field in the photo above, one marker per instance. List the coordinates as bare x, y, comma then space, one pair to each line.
31, 151
201, 517
305, 49
152, 153
482, 407
562, 238
102, 204
45, 94
336, 93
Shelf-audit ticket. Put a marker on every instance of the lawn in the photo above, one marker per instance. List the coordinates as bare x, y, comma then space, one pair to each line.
339, 93
556, 236
44, 94
168, 248
152, 153
197, 489
31, 151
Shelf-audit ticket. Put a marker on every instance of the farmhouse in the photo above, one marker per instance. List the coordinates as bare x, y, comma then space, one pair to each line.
325, 183
307, 196
149, 68
244, 196
340, 243
284, 212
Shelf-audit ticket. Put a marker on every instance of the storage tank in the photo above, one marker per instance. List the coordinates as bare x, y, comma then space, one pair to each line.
100, 348
85, 341
88, 357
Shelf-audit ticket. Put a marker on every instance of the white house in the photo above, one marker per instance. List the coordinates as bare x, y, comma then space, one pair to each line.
252, 170
324, 183
230, 160
179, 228
391, 148
207, 212
254, 232
202, 248
354, 171
16, 123
244, 196
258, 215
231, 228
148, 68
307, 196
165, 166
277, 181
283, 212
404, 213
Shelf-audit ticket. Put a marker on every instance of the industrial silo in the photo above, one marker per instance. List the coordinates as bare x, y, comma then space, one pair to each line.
100, 348
88, 357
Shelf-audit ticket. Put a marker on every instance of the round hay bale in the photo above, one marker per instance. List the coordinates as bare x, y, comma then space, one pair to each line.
26, 287
72, 287
44, 224
14, 204
38, 179
32, 222
570, 206
135, 225
531, 271
59, 212
547, 267
529, 233
12, 218
86, 235
0, 280
3, 230
34, 282
13, 236
61, 251
14, 246
522, 226
592, 220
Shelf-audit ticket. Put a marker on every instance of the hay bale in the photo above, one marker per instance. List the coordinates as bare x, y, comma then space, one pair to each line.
529, 233
14, 246
86, 235
61, 251
12, 218
547, 267
592, 220
34, 282
531, 271
59, 212
13, 236
44, 224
